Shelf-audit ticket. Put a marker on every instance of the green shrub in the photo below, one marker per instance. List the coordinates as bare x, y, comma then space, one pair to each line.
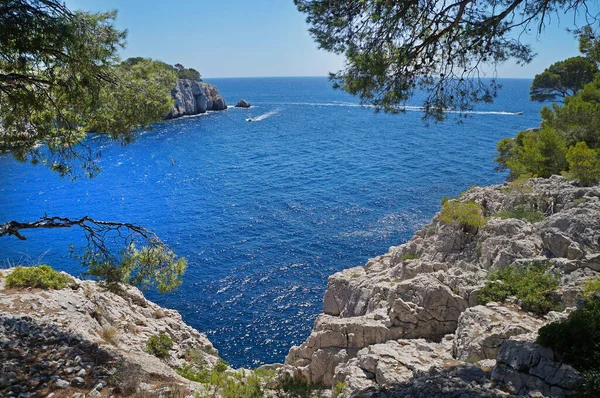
248, 387
228, 385
463, 213
159, 345
409, 256
532, 284
522, 213
298, 388
190, 372
591, 384
221, 365
584, 163
338, 388
575, 341
591, 287
445, 199
43, 277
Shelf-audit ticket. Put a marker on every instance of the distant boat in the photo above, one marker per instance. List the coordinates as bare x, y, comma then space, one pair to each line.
250, 119
518, 113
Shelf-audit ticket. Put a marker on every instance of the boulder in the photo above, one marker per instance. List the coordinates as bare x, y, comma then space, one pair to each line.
482, 329
529, 368
243, 104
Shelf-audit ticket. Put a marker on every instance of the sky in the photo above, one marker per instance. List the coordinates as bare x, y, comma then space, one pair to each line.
260, 38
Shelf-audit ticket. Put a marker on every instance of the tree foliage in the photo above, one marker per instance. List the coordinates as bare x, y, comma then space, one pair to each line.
394, 48
112, 251
567, 143
181, 71
59, 79
562, 79
584, 163
579, 119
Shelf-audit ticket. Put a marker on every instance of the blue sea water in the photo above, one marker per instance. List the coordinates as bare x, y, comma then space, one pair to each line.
266, 211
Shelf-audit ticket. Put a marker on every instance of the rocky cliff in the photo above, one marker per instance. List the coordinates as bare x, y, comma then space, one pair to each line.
408, 323
193, 97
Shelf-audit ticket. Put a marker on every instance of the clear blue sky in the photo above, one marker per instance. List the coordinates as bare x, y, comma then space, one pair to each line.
245, 38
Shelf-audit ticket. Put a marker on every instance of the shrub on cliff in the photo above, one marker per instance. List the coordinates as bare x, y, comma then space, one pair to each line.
159, 345
522, 213
462, 213
43, 277
576, 342
533, 284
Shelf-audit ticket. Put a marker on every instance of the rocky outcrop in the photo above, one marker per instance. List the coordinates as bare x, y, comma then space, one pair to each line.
194, 97
529, 369
90, 340
482, 330
242, 104
427, 289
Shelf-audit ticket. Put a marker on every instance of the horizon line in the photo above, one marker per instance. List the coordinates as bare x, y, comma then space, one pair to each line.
298, 76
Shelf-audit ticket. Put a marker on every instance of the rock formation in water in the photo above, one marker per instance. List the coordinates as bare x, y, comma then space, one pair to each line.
242, 104
193, 97
408, 323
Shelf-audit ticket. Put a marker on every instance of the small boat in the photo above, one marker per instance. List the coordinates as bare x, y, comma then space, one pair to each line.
518, 113
250, 119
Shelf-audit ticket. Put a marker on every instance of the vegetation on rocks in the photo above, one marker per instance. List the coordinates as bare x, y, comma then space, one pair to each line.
522, 213
43, 277
576, 342
591, 288
159, 345
409, 256
462, 213
532, 284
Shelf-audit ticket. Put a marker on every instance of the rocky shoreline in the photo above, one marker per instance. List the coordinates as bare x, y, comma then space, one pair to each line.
407, 324
414, 310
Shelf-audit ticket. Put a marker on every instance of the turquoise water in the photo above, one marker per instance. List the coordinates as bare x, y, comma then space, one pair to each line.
265, 211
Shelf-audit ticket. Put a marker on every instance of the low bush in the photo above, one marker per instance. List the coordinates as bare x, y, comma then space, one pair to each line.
522, 213
227, 385
575, 341
43, 277
299, 388
463, 213
591, 288
409, 256
159, 345
532, 284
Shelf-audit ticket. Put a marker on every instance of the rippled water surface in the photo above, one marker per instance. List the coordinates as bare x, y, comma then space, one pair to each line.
265, 211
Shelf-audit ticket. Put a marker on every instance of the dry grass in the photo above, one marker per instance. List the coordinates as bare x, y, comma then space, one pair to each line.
109, 335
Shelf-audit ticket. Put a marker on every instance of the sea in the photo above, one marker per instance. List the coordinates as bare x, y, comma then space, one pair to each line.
265, 211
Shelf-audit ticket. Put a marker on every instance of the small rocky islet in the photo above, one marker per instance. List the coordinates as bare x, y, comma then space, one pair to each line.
407, 324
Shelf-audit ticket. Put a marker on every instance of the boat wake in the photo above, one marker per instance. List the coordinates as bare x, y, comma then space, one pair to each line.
406, 108
263, 116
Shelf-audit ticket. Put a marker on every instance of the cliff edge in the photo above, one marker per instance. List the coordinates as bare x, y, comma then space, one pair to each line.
88, 340
408, 323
